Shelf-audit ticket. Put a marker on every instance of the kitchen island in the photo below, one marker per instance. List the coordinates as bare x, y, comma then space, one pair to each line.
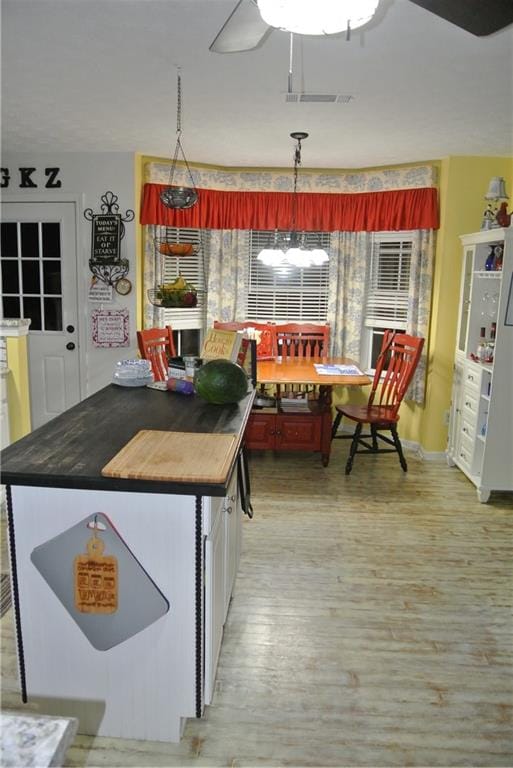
137, 655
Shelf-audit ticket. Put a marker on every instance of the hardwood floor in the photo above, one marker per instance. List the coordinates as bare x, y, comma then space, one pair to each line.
371, 626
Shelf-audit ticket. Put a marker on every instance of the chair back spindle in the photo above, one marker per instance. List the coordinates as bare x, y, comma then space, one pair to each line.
157, 345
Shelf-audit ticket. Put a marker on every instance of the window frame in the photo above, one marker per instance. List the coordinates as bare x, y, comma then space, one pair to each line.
374, 326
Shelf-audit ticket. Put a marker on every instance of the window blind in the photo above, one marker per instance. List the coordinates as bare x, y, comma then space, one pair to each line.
388, 281
288, 293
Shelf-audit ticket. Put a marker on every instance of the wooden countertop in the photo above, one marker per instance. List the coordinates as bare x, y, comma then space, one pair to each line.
71, 450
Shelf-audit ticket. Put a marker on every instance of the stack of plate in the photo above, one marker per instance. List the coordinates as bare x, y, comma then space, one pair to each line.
133, 373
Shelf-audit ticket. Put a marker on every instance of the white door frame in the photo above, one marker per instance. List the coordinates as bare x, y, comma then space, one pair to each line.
78, 200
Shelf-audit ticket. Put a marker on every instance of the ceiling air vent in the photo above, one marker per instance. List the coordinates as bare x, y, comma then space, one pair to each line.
318, 98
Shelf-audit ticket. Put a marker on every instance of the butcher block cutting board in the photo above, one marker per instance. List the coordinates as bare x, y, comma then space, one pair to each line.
181, 457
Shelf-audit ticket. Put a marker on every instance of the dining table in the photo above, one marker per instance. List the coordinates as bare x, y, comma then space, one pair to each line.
282, 427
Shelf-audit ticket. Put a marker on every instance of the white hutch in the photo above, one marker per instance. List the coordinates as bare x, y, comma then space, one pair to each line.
481, 419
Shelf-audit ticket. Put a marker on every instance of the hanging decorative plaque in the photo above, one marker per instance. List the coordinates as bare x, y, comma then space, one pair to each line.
110, 327
108, 230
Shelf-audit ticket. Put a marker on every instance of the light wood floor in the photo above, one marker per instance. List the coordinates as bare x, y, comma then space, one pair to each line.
371, 626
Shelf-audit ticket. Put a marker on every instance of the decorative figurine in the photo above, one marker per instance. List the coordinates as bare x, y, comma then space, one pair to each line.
503, 217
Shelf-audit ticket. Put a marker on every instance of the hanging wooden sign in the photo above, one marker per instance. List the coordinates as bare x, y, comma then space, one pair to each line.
96, 579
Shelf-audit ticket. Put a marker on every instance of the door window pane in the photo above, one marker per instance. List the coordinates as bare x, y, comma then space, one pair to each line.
53, 314
32, 309
29, 241
30, 276
51, 240
10, 276
9, 240
11, 306
52, 276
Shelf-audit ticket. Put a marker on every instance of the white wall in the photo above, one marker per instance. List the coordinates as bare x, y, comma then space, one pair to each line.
86, 177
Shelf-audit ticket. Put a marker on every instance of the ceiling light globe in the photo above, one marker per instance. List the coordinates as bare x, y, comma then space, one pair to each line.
271, 257
322, 17
319, 256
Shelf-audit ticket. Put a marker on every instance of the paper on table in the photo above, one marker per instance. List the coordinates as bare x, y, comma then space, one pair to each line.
337, 370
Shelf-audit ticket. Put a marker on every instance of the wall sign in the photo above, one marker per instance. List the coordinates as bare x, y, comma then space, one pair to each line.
110, 327
106, 237
99, 291
108, 230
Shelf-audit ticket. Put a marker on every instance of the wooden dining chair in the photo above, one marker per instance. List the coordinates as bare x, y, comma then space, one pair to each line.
157, 345
396, 364
302, 340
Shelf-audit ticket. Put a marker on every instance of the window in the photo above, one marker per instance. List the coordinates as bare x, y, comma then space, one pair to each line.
388, 280
187, 323
290, 294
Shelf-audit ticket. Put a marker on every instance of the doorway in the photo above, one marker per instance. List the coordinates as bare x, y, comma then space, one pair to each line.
39, 281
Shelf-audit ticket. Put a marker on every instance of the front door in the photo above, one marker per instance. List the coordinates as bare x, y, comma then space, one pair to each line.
39, 281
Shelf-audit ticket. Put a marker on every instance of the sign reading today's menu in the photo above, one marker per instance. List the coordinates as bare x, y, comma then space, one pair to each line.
106, 237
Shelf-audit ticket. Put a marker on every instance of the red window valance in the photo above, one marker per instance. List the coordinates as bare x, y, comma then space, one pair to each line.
400, 209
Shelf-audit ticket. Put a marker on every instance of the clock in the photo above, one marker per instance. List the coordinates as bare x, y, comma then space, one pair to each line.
123, 286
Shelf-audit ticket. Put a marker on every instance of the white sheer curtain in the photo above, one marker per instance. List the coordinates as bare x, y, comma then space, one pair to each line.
226, 252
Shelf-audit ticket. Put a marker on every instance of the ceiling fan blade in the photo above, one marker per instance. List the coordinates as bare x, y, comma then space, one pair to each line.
479, 17
243, 30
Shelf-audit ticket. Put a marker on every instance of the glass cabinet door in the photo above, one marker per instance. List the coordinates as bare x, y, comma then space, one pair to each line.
468, 262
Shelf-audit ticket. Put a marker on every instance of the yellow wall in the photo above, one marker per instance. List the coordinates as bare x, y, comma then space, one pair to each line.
18, 396
463, 182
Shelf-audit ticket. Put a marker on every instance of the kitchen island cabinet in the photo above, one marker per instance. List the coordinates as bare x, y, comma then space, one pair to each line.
126, 673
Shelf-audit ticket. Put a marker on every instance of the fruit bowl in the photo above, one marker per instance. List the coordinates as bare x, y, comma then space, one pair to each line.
178, 294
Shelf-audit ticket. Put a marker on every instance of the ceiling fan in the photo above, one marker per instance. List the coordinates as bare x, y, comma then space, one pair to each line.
245, 29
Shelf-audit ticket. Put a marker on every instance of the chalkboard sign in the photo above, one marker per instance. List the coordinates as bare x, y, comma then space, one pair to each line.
106, 237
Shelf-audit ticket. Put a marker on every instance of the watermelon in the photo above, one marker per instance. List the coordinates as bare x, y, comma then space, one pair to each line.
221, 382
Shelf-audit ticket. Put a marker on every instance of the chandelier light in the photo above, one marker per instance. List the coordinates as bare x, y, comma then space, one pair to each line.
317, 17
289, 249
176, 196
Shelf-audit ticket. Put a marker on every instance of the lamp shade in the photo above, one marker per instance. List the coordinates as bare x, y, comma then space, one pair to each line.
317, 17
496, 189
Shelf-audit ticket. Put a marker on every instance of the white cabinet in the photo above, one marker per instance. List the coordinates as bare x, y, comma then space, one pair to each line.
222, 552
481, 421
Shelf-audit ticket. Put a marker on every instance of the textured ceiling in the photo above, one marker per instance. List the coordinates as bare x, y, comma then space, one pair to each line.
90, 75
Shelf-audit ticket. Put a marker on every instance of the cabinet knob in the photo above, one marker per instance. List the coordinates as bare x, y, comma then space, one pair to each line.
229, 509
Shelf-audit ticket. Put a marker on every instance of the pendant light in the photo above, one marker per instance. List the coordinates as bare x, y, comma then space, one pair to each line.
290, 249
176, 196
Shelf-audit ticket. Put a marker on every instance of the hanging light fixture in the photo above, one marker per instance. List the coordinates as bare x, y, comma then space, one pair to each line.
317, 17
175, 196
290, 249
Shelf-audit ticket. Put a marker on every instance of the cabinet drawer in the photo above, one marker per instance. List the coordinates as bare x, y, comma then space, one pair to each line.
471, 381
468, 428
465, 452
470, 402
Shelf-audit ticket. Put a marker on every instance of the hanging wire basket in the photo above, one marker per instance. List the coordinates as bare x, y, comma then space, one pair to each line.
169, 247
174, 196
168, 297
178, 197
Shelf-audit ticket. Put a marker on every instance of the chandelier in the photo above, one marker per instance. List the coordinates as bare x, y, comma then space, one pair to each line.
290, 249
317, 17
174, 196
